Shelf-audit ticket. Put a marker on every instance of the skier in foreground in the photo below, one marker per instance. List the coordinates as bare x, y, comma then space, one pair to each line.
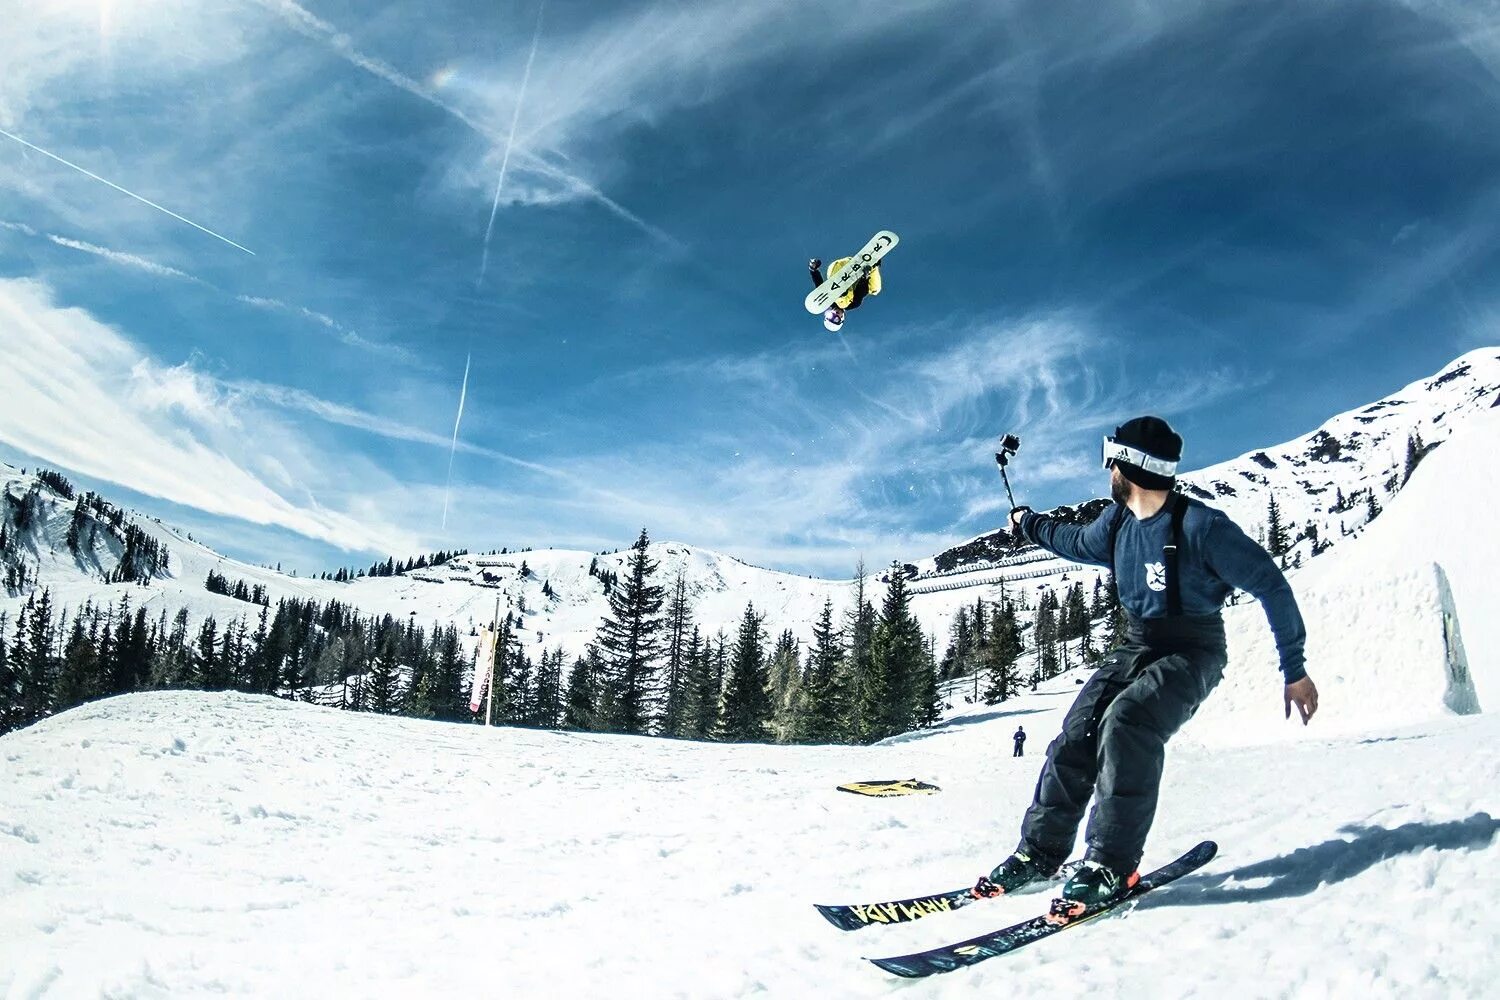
868, 284
1175, 561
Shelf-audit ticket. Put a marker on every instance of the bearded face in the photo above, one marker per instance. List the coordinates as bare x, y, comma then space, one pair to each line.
1119, 486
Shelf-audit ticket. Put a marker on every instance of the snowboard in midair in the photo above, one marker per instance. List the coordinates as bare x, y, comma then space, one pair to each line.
891, 786
856, 267
975, 950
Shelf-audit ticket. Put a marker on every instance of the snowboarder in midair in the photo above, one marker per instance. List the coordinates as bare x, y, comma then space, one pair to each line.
1020, 739
868, 284
1175, 560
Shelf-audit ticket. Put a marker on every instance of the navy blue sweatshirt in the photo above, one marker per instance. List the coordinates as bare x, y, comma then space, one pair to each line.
1216, 558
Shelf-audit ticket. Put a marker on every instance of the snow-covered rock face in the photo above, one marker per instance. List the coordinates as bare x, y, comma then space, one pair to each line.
1355, 455
1352, 456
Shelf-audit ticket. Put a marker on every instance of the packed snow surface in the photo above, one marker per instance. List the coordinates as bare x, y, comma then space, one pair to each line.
186, 844
178, 844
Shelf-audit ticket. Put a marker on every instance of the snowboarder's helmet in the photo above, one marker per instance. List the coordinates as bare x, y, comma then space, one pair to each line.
833, 319
1147, 451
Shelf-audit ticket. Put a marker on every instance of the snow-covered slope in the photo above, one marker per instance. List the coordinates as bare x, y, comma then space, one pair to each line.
1403, 621
183, 844
177, 844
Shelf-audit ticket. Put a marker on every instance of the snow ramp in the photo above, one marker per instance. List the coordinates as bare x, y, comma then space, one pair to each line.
1402, 622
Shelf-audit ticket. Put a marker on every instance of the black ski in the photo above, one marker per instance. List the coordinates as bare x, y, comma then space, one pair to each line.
977, 949
898, 911
853, 916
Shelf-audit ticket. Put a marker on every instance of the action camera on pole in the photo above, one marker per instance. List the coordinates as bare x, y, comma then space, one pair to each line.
1009, 445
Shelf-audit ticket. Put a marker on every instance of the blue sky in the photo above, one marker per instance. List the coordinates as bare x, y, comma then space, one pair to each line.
1242, 216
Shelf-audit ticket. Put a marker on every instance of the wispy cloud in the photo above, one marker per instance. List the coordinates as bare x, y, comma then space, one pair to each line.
125, 191
345, 335
138, 263
828, 473
124, 259
317, 29
80, 394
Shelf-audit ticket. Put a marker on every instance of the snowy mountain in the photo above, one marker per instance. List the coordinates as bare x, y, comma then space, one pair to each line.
182, 844
1323, 483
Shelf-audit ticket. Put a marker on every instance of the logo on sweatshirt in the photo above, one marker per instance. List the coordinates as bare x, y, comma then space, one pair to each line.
1156, 576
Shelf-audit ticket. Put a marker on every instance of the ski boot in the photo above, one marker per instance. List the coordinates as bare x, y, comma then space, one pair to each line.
1015, 871
1092, 886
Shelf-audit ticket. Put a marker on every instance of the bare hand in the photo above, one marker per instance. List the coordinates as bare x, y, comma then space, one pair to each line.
1303, 694
1015, 518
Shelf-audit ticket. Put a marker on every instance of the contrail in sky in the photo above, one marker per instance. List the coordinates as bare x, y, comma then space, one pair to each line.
313, 27
515, 117
453, 449
144, 201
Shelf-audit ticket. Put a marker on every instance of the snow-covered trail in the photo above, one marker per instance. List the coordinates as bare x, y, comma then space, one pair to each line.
188, 844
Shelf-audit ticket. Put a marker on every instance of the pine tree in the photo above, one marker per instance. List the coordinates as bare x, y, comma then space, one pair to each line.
960, 645
1276, 540
866, 692
36, 674
548, 712
206, 661
1002, 654
450, 701
747, 703
580, 710
1045, 632
826, 694
7, 676
630, 643
928, 698
1075, 613
79, 679
419, 701
705, 688
520, 690
1415, 450
898, 650
788, 693
385, 672
679, 625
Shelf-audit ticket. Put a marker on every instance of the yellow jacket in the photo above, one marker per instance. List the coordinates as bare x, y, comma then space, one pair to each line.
844, 300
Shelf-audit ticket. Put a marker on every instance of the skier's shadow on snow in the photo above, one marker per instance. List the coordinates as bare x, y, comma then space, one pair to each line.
1308, 868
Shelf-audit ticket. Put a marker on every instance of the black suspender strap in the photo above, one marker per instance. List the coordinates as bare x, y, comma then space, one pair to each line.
1114, 532
1169, 555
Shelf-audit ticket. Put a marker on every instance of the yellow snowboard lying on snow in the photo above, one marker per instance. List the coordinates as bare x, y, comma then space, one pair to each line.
905, 786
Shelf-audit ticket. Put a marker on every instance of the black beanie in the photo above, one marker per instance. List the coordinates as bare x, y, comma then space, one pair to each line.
1155, 437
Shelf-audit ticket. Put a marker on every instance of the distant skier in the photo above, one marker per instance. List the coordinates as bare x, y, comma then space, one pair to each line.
1020, 739
868, 284
1175, 561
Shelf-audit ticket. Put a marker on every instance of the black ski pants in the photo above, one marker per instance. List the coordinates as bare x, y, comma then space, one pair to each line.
1113, 740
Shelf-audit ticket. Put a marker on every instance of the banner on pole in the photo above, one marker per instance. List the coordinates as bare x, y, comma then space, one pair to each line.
484, 665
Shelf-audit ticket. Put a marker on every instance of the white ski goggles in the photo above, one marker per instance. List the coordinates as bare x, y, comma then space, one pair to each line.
1113, 451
